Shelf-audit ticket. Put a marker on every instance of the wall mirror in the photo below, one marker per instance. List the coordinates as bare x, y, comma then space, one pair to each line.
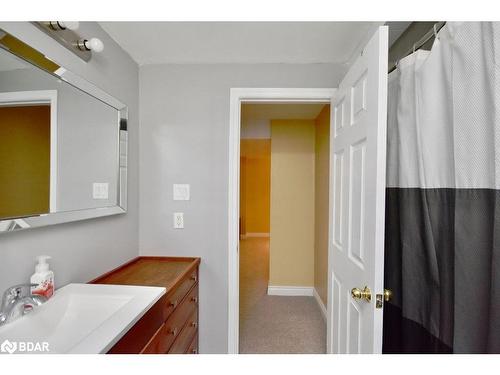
63, 143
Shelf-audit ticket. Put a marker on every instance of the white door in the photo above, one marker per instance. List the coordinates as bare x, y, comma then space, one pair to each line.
357, 203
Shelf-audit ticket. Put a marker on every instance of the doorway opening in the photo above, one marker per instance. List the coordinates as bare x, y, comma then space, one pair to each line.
240, 97
284, 180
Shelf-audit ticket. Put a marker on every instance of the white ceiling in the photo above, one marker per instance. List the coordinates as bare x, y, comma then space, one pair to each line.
240, 42
293, 111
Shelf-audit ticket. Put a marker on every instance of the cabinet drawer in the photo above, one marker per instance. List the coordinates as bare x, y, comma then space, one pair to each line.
157, 344
166, 335
193, 348
182, 343
176, 297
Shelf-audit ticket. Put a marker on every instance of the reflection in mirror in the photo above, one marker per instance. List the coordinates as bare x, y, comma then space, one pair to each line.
59, 146
25, 149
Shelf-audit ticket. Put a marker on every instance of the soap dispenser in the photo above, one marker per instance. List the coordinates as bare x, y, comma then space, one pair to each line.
43, 278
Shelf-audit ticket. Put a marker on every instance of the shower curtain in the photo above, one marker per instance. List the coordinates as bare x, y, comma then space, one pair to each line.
442, 251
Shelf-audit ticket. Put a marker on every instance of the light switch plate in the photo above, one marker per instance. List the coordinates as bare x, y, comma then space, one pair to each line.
178, 220
181, 192
100, 190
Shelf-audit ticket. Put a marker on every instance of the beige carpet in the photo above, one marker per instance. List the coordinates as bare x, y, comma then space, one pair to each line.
274, 324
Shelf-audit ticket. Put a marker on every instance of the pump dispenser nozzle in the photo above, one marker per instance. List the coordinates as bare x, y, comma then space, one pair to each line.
42, 263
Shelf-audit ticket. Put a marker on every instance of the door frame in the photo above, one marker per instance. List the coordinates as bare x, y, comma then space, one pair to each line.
237, 97
34, 97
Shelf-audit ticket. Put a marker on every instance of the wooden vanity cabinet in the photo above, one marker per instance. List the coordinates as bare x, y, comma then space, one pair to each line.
170, 326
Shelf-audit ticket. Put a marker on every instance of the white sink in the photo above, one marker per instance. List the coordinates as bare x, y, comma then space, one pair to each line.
83, 318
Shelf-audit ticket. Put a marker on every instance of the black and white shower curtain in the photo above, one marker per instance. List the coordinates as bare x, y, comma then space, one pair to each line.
442, 252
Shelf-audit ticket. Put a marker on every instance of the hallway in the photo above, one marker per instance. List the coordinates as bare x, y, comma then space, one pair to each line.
274, 324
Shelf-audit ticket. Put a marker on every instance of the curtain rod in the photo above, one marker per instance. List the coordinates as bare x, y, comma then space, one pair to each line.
420, 43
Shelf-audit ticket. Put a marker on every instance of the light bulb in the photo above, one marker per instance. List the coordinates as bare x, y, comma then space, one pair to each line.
94, 44
70, 25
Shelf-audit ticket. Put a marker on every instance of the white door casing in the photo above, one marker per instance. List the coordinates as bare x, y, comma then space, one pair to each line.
357, 201
237, 97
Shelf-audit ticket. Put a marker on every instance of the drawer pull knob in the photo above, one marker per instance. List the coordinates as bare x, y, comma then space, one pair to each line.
173, 331
194, 278
173, 304
194, 299
194, 324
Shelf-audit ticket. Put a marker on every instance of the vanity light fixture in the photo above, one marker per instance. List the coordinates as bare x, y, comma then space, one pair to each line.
64, 33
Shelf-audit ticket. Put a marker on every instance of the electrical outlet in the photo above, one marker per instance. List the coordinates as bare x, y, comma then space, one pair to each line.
178, 220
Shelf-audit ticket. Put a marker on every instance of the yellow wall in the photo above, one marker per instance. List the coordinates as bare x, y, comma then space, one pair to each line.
292, 203
24, 160
321, 198
255, 185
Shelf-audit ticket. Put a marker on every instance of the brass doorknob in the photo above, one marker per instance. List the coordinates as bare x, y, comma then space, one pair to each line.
365, 294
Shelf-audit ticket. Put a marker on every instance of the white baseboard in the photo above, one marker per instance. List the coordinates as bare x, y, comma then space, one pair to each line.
257, 235
274, 290
320, 304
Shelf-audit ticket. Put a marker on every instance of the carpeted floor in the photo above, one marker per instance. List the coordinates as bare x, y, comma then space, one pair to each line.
274, 324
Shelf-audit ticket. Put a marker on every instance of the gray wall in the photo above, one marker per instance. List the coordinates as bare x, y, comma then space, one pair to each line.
184, 139
81, 250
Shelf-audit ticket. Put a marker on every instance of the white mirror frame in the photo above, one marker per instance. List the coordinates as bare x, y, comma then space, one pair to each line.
15, 224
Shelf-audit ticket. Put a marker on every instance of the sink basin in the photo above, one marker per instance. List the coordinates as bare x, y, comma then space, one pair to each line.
83, 318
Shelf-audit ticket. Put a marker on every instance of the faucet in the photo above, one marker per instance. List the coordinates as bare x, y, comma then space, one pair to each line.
18, 301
